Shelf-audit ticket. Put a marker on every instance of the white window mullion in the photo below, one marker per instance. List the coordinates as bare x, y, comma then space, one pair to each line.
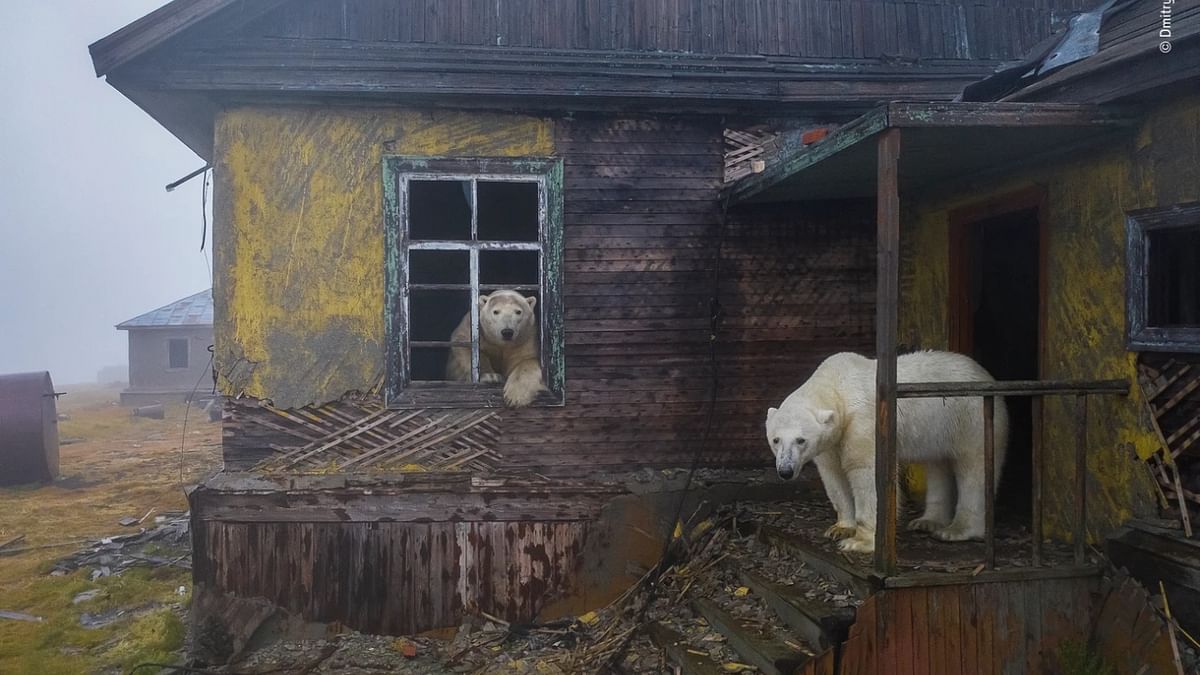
474, 299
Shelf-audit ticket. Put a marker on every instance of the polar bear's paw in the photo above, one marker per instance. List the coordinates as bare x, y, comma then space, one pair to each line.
519, 395
840, 531
491, 378
858, 543
955, 532
926, 525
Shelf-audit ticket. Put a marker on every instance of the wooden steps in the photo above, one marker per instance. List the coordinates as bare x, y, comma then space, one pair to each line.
677, 650
771, 657
820, 561
817, 623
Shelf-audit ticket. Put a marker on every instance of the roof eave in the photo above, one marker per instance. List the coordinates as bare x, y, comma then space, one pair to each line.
797, 159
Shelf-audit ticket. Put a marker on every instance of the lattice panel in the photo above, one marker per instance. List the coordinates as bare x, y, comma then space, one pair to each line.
364, 435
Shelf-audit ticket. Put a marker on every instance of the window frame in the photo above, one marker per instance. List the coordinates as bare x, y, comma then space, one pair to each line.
1139, 225
187, 353
399, 390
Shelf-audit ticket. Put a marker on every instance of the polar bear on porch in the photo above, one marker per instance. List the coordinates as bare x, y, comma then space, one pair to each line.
830, 421
508, 347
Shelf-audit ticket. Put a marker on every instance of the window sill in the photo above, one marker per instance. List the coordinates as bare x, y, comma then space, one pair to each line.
454, 395
1179, 340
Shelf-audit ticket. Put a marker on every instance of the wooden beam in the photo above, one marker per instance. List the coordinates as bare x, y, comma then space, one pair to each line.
1081, 414
887, 300
1012, 388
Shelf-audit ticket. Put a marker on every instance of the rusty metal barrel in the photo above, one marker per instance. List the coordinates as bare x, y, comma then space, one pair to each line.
28, 429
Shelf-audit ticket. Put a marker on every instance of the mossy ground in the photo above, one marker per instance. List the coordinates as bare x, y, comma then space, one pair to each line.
123, 466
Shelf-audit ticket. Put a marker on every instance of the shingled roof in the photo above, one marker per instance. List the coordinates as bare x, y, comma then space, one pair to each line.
194, 310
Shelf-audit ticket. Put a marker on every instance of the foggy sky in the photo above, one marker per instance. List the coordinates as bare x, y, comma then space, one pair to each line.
88, 236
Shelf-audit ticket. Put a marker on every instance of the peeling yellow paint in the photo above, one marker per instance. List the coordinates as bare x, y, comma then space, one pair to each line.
299, 285
1087, 197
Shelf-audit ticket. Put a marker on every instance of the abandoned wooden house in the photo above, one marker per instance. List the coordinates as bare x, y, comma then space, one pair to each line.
704, 199
169, 357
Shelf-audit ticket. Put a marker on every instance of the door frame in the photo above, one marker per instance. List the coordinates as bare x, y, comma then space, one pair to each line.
960, 328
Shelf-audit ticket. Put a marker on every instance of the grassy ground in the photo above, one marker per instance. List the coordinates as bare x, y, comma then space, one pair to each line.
121, 466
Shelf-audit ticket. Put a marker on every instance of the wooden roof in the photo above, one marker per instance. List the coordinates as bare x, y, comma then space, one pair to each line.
941, 142
839, 58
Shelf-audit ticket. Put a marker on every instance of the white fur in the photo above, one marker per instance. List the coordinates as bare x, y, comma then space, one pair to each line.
830, 420
508, 347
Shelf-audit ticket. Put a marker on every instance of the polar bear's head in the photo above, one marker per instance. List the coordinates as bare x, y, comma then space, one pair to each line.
506, 317
798, 435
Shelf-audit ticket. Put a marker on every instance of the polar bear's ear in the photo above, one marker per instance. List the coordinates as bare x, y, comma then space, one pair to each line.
532, 301
771, 412
824, 416
483, 300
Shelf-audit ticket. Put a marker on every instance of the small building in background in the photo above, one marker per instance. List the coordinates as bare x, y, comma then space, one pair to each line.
168, 351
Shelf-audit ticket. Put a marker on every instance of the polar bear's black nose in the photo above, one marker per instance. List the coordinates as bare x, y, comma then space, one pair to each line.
507, 333
786, 474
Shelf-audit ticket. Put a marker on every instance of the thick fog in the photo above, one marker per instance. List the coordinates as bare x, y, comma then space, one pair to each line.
88, 236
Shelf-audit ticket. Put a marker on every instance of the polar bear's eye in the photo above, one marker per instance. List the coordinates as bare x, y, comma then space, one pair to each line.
775, 441
518, 312
801, 441
496, 312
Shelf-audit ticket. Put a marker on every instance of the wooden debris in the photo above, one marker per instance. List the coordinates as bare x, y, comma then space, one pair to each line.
12, 542
19, 616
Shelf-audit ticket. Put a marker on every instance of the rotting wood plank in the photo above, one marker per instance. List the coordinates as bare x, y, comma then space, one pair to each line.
773, 658
818, 624
677, 650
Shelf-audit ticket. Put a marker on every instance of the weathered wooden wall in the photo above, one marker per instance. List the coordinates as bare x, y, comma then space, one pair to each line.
811, 28
402, 555
1005, 628
300, 295
1086, 200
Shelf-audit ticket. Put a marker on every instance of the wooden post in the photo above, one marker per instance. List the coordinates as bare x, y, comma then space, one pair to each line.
1081, 414
989, 478
1035, 476
887, 298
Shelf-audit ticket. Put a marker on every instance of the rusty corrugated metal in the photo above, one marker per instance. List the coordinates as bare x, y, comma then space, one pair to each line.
28, 428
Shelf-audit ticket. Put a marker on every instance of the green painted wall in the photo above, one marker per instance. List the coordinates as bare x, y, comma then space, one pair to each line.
1087, 197
299, 259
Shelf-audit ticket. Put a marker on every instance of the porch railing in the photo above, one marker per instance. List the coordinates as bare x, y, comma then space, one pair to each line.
887, 459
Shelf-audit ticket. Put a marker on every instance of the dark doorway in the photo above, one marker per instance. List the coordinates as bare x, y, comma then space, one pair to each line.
999, 305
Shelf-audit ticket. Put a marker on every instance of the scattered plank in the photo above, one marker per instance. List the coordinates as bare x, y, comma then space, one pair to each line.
19, 616
12, 542
770, 657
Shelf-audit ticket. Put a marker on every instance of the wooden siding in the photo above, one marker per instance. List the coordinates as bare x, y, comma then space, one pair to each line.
392, 578
803, 28
642, 225
1007, 628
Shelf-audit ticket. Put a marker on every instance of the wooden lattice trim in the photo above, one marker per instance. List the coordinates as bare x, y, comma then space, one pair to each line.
358, 435
746, 152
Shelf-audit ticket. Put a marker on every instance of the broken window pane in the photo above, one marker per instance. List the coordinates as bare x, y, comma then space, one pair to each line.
439, 267
508, 211
439, 209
